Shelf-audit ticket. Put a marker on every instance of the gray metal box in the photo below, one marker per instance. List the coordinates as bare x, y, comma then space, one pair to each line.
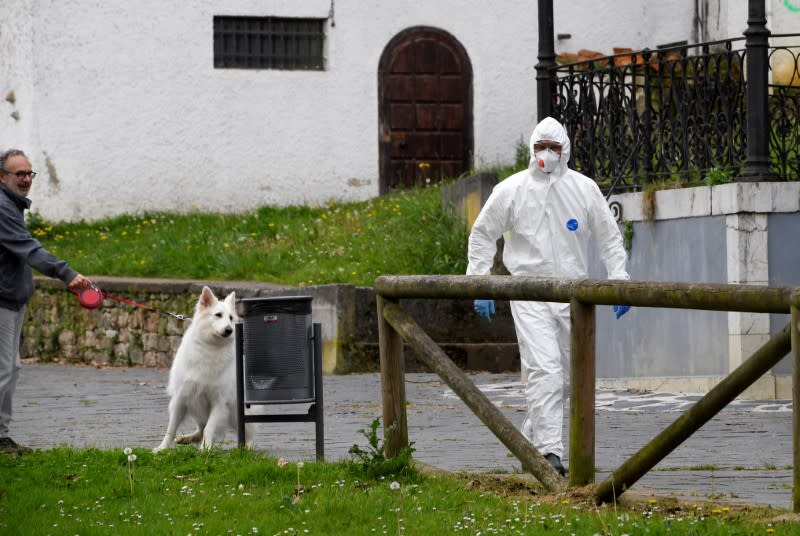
278, 356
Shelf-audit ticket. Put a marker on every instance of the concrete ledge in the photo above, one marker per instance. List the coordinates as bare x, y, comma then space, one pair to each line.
631, 204
768, 387
722, 199
683, 203
670, 203
761, 197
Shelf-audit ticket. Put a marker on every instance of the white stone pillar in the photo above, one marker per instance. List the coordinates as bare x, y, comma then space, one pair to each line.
746, 240
746, 207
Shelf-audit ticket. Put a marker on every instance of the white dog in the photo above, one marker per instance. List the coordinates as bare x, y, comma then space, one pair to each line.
202, 380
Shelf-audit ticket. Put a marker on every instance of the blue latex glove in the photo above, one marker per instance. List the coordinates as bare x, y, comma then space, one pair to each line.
620, 310
484, 308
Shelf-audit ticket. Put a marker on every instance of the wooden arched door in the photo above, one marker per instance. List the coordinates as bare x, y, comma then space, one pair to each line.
425, 96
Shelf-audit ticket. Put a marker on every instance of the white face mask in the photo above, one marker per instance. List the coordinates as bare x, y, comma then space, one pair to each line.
547, 160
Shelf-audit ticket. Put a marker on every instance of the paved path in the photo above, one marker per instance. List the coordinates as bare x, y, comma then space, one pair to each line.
747, 448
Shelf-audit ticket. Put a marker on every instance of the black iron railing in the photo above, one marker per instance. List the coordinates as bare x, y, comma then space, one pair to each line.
674, 114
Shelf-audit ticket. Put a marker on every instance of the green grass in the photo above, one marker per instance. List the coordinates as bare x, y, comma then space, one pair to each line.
402, 233
187, 491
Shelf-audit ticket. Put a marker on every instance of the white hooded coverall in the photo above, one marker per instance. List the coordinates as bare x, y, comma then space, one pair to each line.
547, 221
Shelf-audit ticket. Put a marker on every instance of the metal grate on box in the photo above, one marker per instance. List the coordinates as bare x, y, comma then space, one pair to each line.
277, 350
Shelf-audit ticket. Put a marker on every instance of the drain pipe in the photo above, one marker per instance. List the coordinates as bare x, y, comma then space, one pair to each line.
547, 60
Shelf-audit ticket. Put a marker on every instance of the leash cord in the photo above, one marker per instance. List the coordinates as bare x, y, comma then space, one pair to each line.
142, 306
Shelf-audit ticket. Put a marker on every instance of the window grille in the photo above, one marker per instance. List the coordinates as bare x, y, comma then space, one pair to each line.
268, 43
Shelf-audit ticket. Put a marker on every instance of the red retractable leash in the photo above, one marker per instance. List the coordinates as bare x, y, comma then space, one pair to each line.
92, 298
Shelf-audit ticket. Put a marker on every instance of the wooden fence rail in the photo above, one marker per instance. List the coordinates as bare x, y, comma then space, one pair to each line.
583, 295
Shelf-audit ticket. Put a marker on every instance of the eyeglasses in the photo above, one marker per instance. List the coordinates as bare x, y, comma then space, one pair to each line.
541, 146
22, 173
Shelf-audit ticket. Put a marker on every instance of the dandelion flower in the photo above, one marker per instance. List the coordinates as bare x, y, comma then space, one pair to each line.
299, 465
127, 451
241, 487
394, 486
131, 459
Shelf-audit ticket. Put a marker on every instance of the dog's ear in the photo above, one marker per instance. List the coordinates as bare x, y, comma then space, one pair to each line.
207, 297
230, 299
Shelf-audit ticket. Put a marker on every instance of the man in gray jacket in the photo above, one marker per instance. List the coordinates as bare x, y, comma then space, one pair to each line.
19, 253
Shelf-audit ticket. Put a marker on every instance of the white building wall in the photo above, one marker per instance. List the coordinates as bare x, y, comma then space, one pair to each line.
16, 73
120, 108
783, 16
603, 25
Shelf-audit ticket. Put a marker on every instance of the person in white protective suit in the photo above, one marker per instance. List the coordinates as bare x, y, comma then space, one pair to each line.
547, 213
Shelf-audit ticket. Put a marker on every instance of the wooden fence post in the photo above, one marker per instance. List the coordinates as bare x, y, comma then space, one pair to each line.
393, 384
582, 386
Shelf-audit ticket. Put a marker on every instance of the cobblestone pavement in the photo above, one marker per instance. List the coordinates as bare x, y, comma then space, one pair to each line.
742, 455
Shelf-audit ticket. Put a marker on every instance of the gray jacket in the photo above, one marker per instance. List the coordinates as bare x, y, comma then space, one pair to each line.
19, 252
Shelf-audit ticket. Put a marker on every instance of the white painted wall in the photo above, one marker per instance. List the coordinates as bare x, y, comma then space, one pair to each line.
604, 25
122, 101
783, 16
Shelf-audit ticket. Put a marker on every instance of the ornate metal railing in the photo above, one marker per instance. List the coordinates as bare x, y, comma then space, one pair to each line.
674, 114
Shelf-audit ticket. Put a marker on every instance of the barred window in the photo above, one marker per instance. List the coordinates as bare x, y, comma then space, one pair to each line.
268, 43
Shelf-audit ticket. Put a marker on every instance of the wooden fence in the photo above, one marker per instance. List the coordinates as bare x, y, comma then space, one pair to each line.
396, 326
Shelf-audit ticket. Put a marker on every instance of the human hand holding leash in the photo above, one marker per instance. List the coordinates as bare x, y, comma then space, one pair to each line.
80, 282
